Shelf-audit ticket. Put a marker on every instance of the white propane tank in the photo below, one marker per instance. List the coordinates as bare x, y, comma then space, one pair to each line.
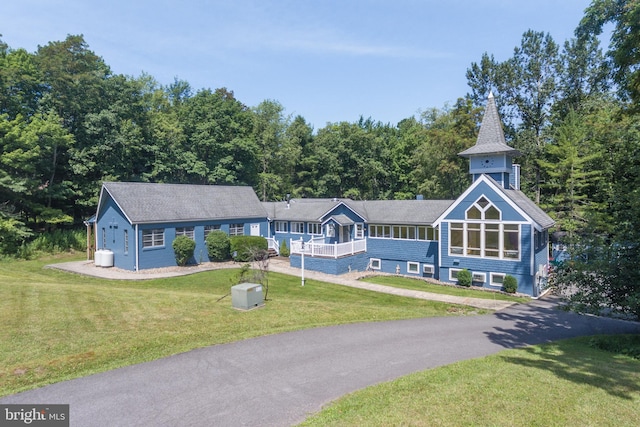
107, 259
97, 257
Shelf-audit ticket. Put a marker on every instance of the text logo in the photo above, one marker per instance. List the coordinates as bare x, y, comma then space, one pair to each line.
34, 415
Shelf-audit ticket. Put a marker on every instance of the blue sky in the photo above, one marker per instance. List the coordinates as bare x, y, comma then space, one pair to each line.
327, 61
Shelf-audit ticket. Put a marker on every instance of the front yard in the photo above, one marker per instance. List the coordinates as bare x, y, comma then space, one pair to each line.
57, 325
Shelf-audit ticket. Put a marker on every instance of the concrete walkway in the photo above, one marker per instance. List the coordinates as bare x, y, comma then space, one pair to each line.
279, 265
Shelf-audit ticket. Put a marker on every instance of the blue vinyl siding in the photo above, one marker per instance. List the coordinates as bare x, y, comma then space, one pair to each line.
114, 224
393, 253
164, 256
508, 213
336, 266
521, 270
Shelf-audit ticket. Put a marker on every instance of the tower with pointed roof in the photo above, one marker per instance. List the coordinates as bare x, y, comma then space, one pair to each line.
491, 155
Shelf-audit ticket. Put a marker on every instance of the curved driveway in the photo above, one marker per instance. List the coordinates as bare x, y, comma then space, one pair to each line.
279, 380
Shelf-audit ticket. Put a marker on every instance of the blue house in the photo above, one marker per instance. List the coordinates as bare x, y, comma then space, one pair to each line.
492, 229
138, 222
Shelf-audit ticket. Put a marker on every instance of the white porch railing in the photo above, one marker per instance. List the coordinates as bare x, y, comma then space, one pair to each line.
328, 250
273, 244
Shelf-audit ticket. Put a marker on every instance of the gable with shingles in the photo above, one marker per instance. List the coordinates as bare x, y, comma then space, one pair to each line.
516, 199
160, 203
302, 209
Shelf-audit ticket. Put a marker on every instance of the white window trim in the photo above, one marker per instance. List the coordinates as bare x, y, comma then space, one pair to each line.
186, 231
375, 260
492, 280
428, 266
236, 229
331, 230
501, 249
154, 232
427, 228
474, 274
416, 265
300, 223
317, 226
281, 227
359, 232
454, 270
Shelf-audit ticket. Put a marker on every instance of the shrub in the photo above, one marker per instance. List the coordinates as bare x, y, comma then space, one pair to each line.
243, 248
510, 284
183, 248
464, 278
284, 250
218, 245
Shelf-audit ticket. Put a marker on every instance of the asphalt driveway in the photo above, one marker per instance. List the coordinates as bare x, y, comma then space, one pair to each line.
278, 380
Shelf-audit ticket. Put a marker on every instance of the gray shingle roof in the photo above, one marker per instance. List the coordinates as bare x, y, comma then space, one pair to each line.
530, 208
403, 211
301, 209
491, 136
156, 203
374, 211
341, 220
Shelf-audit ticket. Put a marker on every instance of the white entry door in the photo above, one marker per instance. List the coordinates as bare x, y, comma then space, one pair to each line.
255, 229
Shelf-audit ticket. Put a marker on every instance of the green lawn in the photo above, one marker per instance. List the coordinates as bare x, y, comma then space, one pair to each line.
566, 383
422, 285
57, 325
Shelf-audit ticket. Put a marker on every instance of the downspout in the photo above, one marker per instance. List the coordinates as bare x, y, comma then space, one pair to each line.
137, 250
532, 245
440, 249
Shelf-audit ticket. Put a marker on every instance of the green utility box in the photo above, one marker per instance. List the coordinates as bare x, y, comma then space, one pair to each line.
247, 296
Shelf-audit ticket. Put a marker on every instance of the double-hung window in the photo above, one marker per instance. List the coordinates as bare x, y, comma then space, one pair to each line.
185, 231
236, 229
314, 228
380, 231
281, 226
427, 233
153, 238
297, 227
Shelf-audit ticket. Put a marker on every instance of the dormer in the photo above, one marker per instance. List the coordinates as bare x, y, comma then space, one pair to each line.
491, 155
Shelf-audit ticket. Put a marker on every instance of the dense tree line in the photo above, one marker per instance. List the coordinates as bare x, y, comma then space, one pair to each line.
67, 123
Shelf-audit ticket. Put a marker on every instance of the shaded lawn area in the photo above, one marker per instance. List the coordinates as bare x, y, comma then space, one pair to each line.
58, 325
566, 383
423, 285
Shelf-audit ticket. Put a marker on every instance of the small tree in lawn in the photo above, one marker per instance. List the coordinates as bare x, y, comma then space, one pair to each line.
284, 249
260, 271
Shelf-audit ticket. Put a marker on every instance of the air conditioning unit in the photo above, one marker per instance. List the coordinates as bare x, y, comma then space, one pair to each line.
246, 296
479, 277
427, 269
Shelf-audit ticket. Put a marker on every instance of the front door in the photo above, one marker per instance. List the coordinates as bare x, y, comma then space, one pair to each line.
345, 235
255, 229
